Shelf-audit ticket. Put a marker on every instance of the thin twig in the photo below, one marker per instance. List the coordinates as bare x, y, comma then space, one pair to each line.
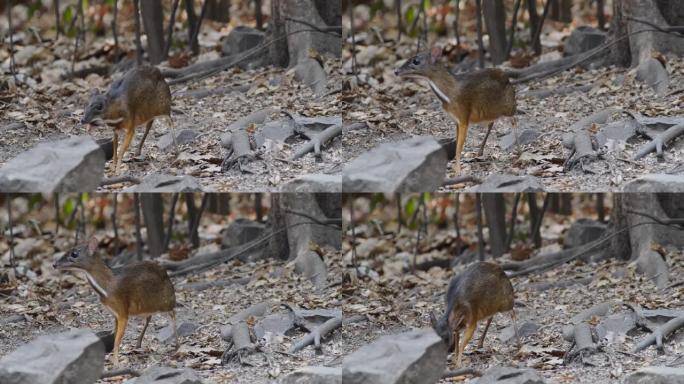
138, 236
10, 223
480, 236
169, 31
511, 34
11, 39
480, 45
169, 226
514, 216
353, 231
334, 30
115, 206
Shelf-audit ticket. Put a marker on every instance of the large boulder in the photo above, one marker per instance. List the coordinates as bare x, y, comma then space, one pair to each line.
583, 231
75, 164
650, 183
241, 39
242, 231
658, 375
509, 183
167, 375
510, 375
582, 39
314, 183
414, 165
314, 375
159, 182
76, 356
414, 357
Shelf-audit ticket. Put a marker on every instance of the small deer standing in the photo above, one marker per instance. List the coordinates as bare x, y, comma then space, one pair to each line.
139, 289
137, 98
478, 96
479, 292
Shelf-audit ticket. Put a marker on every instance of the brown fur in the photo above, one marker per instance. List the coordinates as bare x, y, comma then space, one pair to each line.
138, 289
481, 291
479, 96
137, 98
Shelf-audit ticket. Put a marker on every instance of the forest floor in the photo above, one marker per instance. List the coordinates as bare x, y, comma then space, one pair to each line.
398, 301
397, 109
56, 302
51, 108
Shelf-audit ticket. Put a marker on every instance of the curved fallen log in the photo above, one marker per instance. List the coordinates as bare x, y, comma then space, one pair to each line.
119, 372
317, 141
660, 333
659, 141
314, 337
600, 309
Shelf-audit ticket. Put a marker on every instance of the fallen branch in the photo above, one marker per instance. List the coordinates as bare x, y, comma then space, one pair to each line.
659, 141
201, 286
560, 284
241, 151
316, 335
600, 309
256, 310
119, 372
119, 179
660, 333
317, 141
584, 149
461, 372
241, 343
461, 180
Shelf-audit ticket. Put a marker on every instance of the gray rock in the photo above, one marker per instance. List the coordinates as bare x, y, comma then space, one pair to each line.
314, 375
510, 375
184, 136
76, 356
525, 136
185, 328
241, 231
661, 183
582, 39
652, 72
159, 182
583, 231
414, 165
616, 326
311, 126
277, 324
414, 357
311, 267
75, 164
167, 375
278, 131
618, 131
509, 183
241, 39
657, 375
310, 72
314, 183
525, 329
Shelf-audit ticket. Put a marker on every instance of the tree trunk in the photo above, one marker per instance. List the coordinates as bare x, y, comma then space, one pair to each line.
534, 22
638, 47
494, 14
153, 215
192, 25
495, 214
643, 238
278, 245
153, 21
219, 203
286, 19
219, 10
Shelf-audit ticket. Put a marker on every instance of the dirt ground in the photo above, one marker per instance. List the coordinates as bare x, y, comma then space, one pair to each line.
75, 305
396, 300
52, 112
396, 109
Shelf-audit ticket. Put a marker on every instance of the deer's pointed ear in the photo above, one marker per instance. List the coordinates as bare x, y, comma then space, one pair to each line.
92, 244
435, 54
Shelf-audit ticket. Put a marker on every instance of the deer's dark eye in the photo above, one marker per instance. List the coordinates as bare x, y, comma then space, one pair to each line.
73, 256
415, 61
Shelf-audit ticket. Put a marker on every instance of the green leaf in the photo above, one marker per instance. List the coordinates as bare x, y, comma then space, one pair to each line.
411, 13
67, 15
69, 206
411, 206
